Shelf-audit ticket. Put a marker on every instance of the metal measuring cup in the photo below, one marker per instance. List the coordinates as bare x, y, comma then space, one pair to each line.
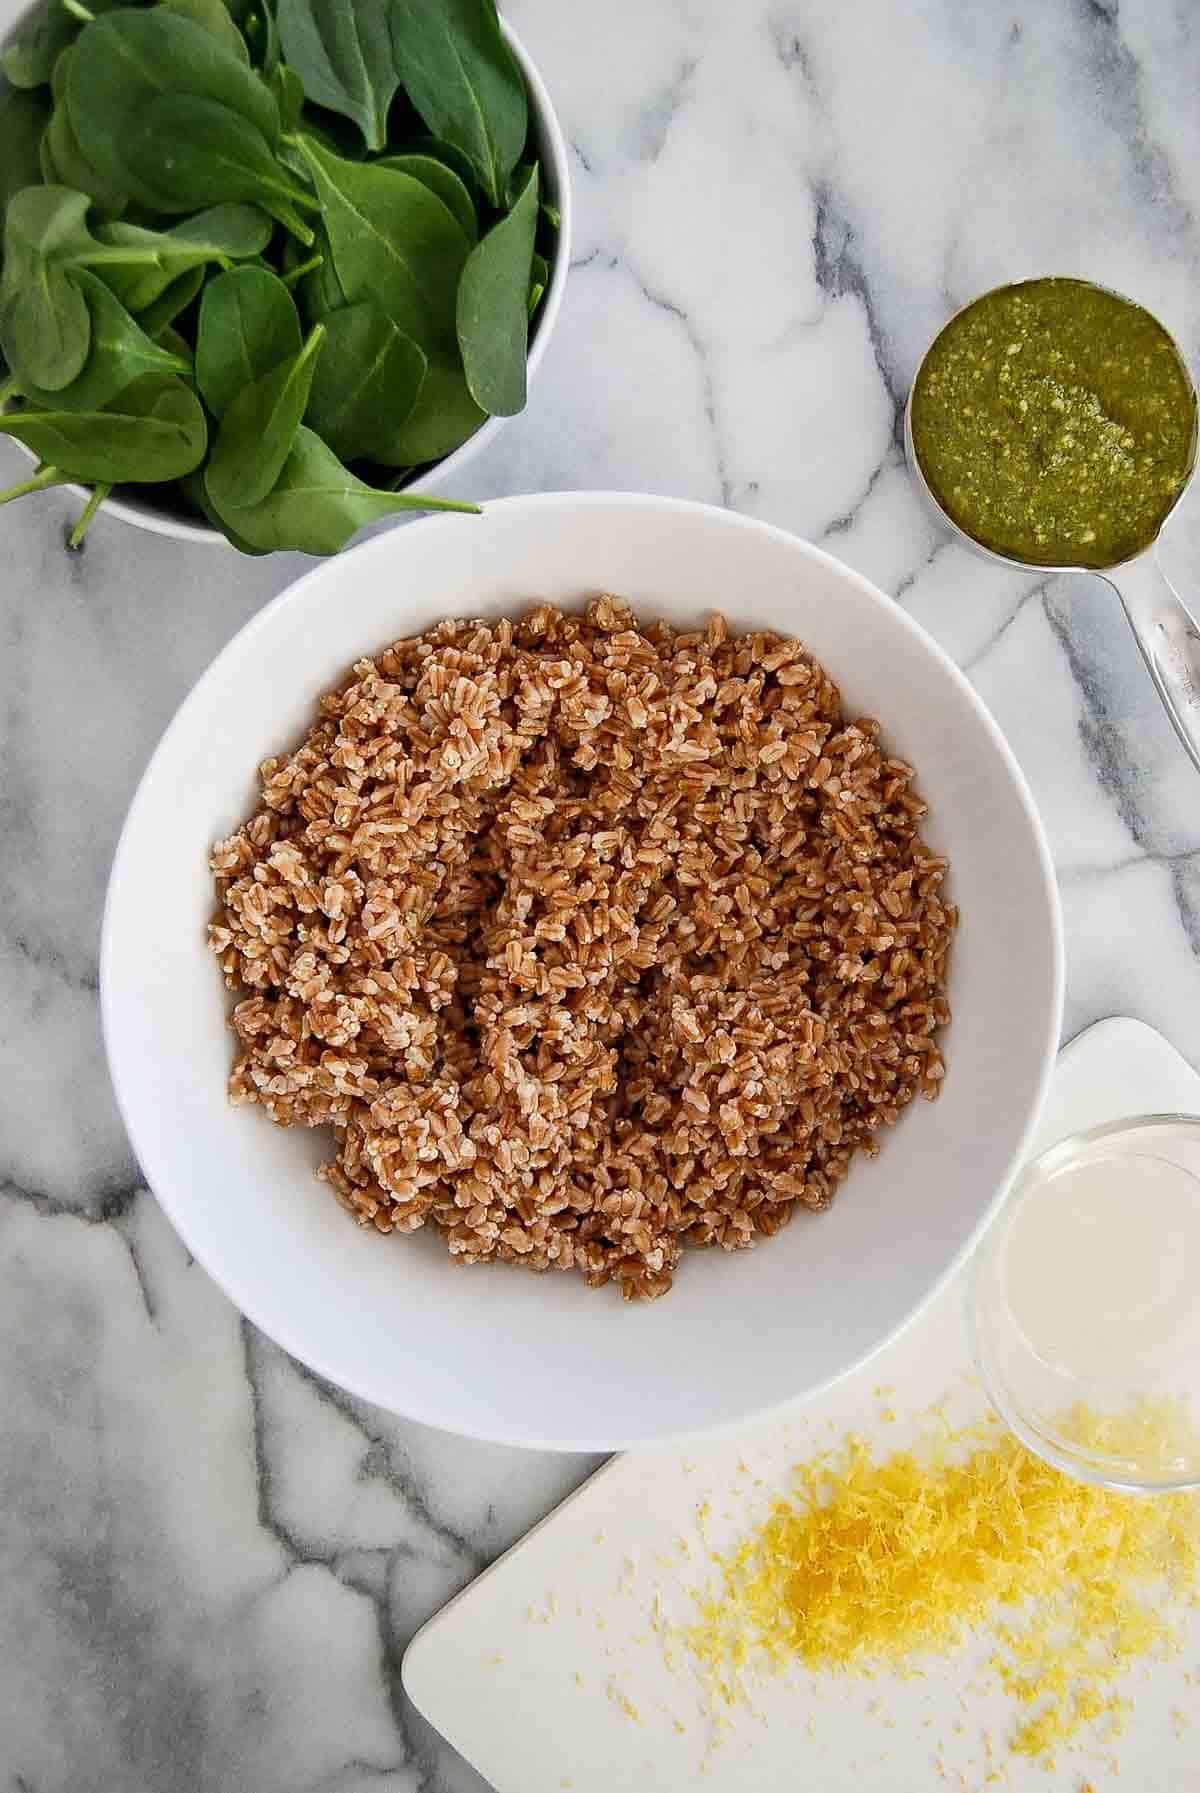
1166, 630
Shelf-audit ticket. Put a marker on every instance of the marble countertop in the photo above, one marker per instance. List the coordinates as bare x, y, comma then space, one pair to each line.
211, 1561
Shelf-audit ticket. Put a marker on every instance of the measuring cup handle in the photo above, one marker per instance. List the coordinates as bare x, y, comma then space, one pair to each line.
1169, 639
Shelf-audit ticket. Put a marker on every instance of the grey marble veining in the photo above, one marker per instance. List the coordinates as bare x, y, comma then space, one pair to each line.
210, 1561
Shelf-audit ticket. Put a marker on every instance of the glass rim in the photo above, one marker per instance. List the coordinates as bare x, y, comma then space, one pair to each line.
1111, 1472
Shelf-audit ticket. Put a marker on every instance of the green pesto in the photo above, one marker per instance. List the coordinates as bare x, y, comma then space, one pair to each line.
1056, 423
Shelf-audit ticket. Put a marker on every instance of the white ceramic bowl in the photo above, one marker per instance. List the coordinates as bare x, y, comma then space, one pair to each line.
161, 519
486, 1350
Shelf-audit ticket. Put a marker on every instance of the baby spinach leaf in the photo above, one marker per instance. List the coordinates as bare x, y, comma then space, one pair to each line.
258, 430
539, 274
154, 432
46, 163
192, 487
237, 232
343, 55
48, 239
214, 17
440, 180
120, 352
291, 148
321, 292
157, 317
184, 151
44, 322
127, 59
493, 307
317, 504
438, 150
63, 161
392, 241
49, 223
248, 325
139, 264
29, 57
23, 118
366, 383
288, 89
261, 31
44, 328
443, 417
177, 343
464, 81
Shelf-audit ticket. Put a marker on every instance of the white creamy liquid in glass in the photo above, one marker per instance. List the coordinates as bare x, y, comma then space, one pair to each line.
1101, 1269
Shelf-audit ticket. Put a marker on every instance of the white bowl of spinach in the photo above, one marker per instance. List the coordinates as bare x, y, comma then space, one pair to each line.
268, 265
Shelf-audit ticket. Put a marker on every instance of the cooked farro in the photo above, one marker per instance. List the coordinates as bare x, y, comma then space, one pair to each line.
589, 939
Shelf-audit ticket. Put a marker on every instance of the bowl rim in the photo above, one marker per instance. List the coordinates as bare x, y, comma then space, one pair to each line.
289, 1337
142, 514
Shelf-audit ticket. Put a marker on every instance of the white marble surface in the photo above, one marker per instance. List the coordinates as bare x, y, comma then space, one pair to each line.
210, 1561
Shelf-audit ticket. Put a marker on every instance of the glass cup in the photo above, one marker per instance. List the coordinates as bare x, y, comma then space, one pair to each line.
1084, 1305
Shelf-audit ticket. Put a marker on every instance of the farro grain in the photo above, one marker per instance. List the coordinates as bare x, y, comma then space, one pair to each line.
588, 939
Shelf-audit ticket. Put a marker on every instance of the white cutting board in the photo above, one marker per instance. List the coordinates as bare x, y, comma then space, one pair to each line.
546, 1676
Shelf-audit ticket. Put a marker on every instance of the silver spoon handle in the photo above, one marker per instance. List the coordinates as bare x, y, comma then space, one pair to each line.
1169, 639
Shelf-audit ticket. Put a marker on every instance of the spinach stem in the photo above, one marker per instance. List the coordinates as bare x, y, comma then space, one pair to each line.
78, 10
303, 268
419, 501
95, 499
292, 222
45, 476
122, 253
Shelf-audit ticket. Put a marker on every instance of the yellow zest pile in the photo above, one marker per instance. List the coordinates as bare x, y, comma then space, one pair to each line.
873, 1563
